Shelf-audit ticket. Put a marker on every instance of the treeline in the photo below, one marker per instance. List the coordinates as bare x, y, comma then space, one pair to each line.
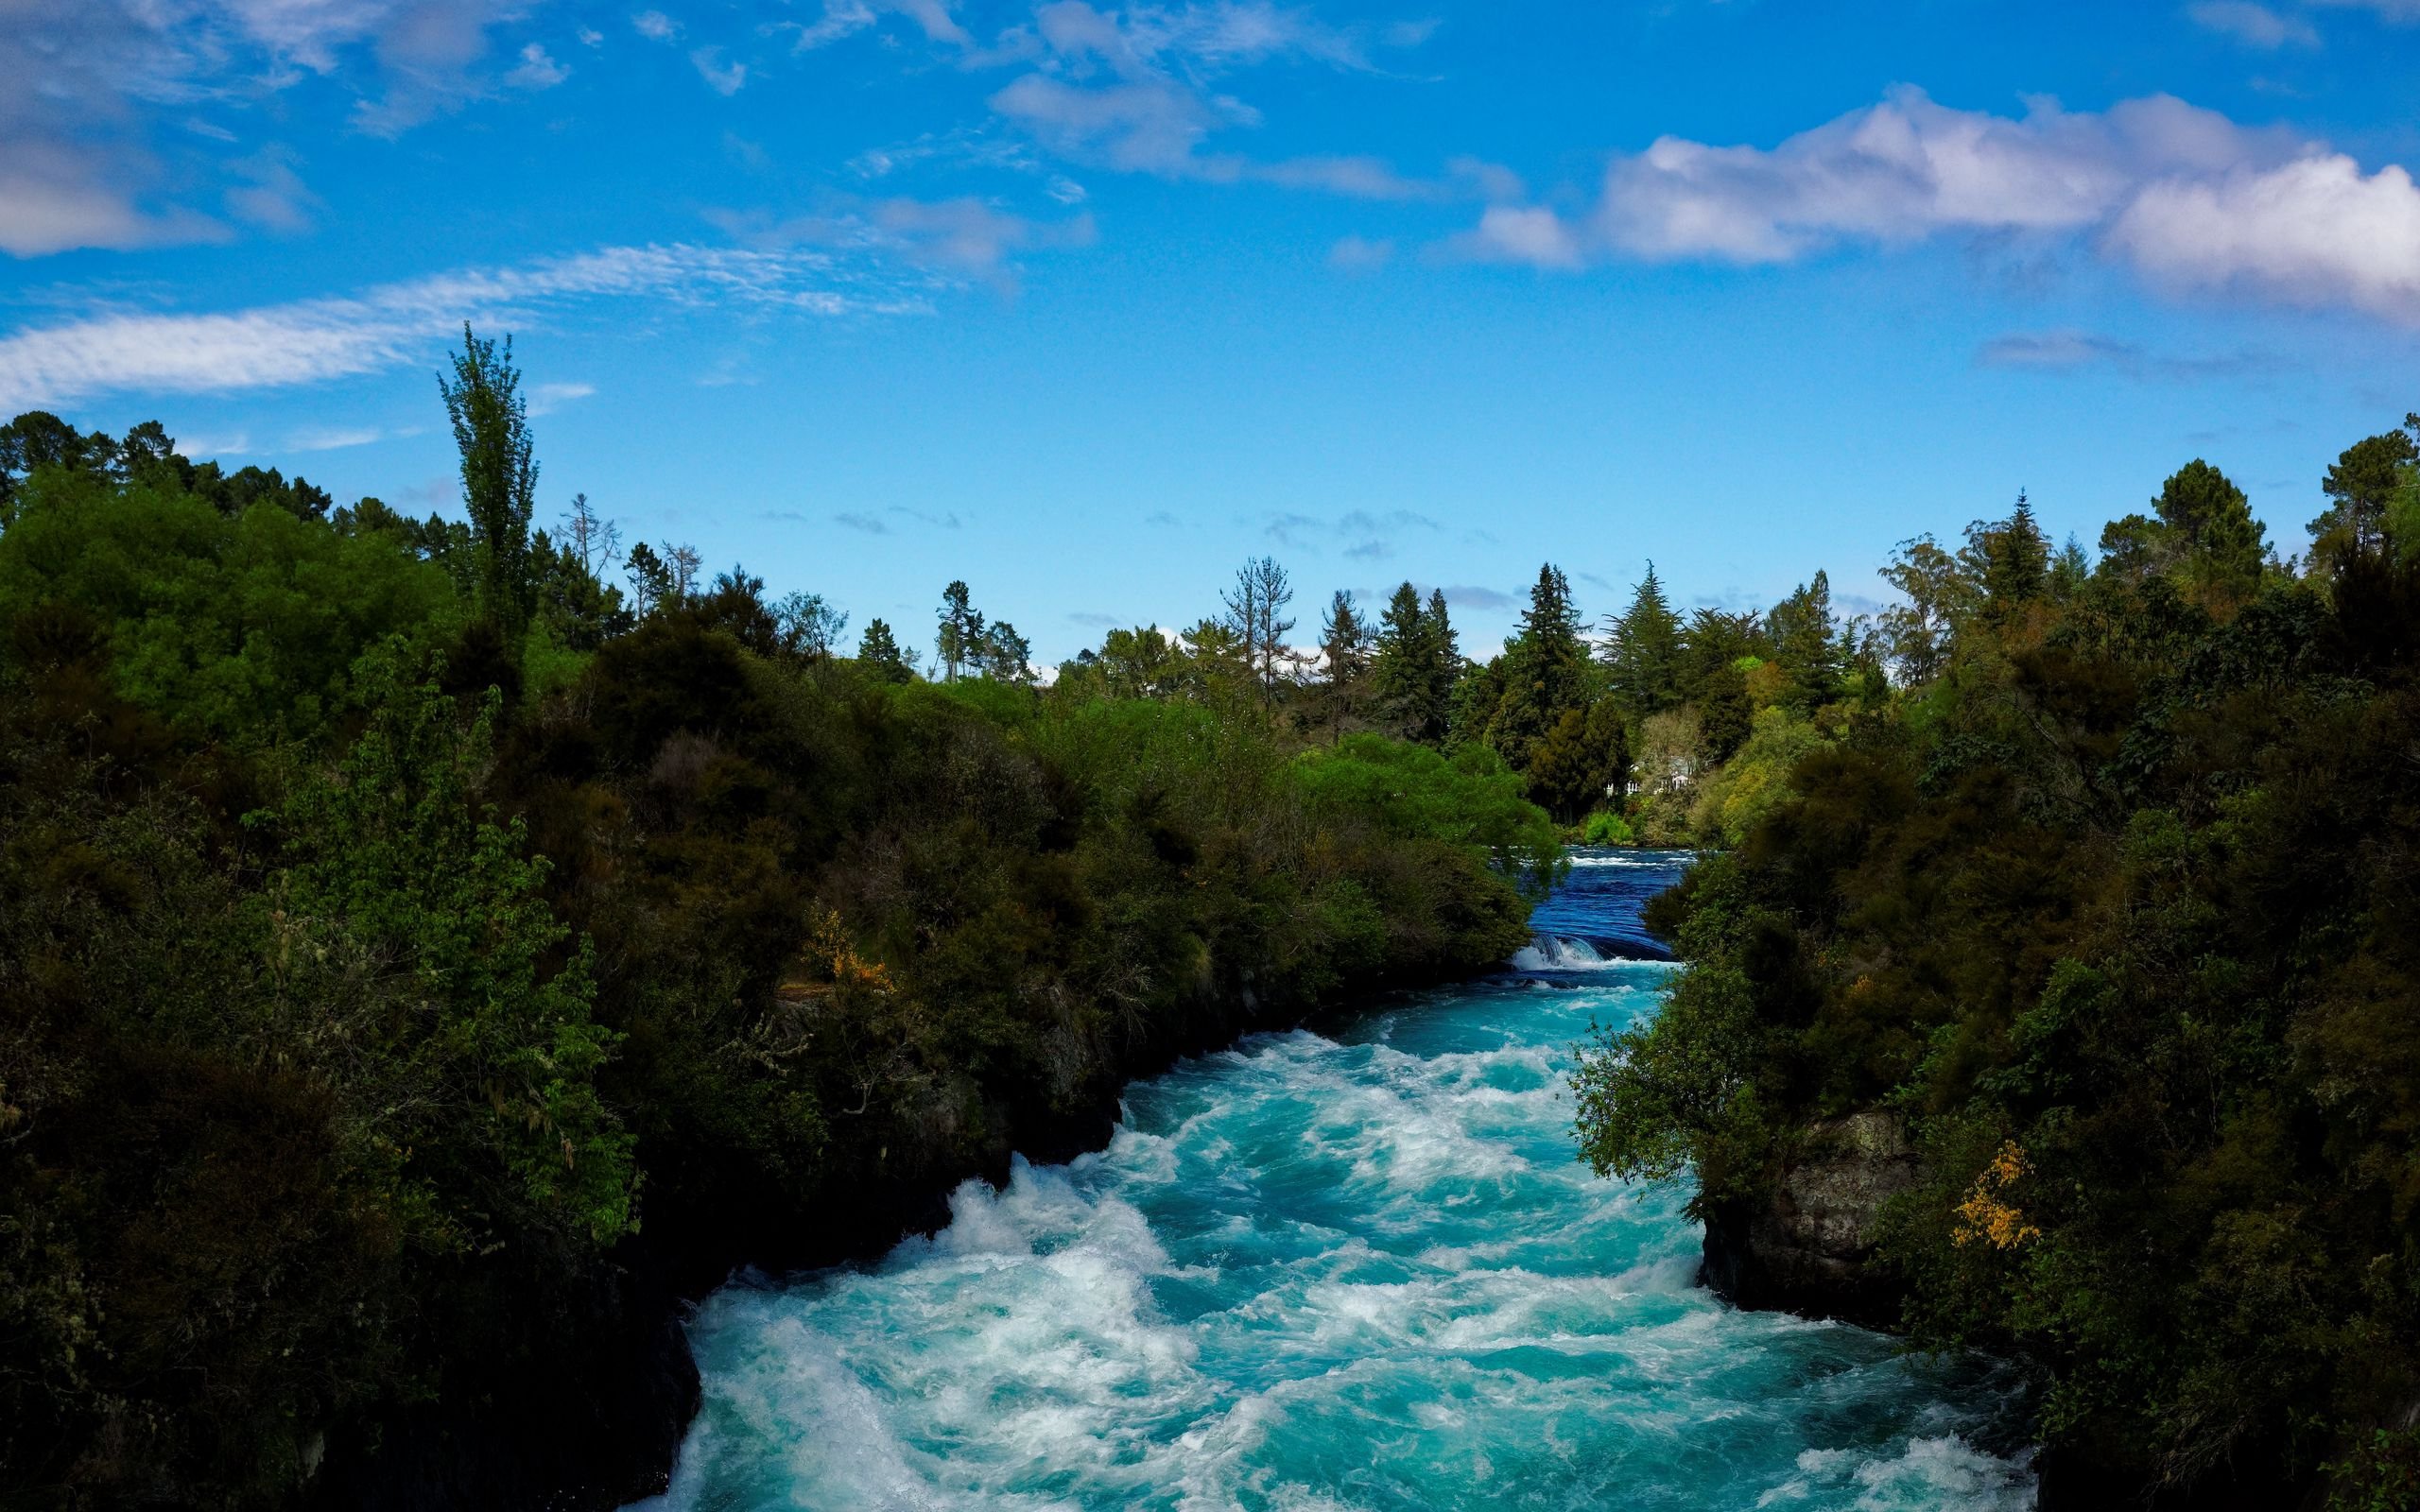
1657, 728
421, 956
2112, 899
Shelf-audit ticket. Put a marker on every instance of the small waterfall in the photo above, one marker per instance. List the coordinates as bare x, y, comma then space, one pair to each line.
1561, 953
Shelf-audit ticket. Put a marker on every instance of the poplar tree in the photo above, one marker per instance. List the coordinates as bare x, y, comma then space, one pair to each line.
499, 472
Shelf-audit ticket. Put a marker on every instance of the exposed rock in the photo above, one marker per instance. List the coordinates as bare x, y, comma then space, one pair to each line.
1810, 1248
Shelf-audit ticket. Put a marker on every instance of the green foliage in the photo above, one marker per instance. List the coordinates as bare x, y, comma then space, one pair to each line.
1643, 656
1545, 671
403, 946
499, 473
391, 869
2114, 911
1605, 827
243, 628
1471, 799
1582, 761
1755, 780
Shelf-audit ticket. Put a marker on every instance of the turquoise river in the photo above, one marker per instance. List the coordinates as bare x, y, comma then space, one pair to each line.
1358, 1268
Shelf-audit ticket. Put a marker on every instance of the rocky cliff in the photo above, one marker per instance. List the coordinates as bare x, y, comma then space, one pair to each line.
1808, 1247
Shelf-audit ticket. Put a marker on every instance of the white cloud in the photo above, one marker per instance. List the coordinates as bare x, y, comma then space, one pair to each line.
2181, 194
1135, 89
1148, 125
846, 18
274, 194
655, 26
2255, 25
335, 440
1355, 177
126, 90
314, 340
1520, 234
2317, 230
537, 70
1906, 169
723, 78
544, 399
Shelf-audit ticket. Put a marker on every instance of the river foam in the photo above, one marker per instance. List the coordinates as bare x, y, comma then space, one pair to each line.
1358, 1270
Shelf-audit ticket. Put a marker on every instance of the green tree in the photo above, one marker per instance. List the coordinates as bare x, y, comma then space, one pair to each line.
1344, 645
1414, 664
1545, 670
2360, 485
1255, 612
1584, 760
1806, 644
879, 652
499, 473
393, 866
1940, 593
1005, 656
959, 642
650, 578
1643, 653
2009, 560
2210, 523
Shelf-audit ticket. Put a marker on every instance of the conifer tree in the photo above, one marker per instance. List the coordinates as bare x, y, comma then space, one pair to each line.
1806, 638
1644, 656
1544, 668
879, 652
959, 644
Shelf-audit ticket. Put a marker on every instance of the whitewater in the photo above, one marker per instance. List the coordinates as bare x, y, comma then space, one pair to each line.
1356, 1268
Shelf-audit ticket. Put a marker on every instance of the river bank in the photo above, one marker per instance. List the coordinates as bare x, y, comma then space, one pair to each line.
1314, 1244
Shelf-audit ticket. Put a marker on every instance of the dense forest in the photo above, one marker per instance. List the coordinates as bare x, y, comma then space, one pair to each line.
2109, 894
431, 948
425, 957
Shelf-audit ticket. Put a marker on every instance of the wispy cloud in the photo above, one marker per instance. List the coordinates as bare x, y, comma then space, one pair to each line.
846, 18
2181, 194
1370, 536
871, 525
965, 235
1138, 89
394, 324
723, 78
107, 84
2070, 351
544, 399
2255, 25
334, 440
1360, 254
537, 70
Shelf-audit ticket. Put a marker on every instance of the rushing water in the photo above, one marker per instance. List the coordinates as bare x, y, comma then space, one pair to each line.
1357, 1269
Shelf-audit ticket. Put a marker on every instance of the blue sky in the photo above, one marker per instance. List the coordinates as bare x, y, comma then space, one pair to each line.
1086, 304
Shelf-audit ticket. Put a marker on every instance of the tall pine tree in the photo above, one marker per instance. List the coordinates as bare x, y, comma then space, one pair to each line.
1545, 670
1643, 658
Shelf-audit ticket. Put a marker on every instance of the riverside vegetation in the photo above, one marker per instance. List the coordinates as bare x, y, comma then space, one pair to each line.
2107, 897
422, 962
424, 959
